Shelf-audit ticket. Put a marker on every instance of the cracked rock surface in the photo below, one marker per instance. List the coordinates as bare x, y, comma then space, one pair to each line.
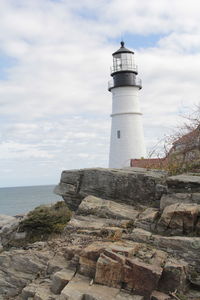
114, 247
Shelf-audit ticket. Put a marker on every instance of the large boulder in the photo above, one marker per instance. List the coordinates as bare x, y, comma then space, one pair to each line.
128, 186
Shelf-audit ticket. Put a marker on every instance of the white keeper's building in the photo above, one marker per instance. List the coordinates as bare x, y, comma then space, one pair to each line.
127, 137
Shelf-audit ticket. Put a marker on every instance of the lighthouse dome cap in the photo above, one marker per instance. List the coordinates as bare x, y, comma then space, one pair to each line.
122, 49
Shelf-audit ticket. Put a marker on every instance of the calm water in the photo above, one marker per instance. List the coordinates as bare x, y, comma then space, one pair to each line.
19, 200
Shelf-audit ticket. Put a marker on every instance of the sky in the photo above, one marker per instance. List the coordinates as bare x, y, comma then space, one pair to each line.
55, 58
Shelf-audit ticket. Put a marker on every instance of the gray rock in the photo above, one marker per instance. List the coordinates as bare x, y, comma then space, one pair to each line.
79, 288
147, 219
43, 291
140, 235
106, 209
128, 186
90, 223
19, 267
8, 229
184, 183
196, 197
179, 218
55, 264
60, 280
29, 291
179, 247
125, 296
6, 220
169, 199
159, 296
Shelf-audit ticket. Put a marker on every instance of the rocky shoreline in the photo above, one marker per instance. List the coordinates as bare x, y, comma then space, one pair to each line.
134, 234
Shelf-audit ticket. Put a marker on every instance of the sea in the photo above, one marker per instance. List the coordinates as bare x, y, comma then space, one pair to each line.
20, 200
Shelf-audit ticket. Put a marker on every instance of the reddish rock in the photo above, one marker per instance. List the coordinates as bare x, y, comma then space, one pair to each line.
140, 277
173, 277
115, 270
109, 269
90, 254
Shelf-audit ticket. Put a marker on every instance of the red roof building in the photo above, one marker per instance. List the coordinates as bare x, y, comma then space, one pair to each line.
149, 163
185, 149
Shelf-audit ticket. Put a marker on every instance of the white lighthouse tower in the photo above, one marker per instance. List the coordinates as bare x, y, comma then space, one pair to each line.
127, 138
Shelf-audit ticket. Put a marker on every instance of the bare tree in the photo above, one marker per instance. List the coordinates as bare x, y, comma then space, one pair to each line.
184, 153
181, 148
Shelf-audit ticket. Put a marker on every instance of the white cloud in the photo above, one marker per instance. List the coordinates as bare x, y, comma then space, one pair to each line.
54, 101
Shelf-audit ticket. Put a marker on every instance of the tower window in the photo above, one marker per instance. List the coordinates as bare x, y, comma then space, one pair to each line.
118, 134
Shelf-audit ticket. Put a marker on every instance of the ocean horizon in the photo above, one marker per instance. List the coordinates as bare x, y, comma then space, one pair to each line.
21, 199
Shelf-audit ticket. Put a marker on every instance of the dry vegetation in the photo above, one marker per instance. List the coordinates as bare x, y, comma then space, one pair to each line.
44, 221
181, 148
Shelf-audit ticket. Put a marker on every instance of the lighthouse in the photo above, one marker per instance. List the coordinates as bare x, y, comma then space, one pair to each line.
127, 137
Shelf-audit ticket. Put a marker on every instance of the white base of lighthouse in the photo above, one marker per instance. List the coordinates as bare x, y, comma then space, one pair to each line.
127, 137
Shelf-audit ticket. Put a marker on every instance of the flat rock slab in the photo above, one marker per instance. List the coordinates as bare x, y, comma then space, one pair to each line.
125, 296
184, 183
182, 244
79, 288
91, 222
106, 209
159, 296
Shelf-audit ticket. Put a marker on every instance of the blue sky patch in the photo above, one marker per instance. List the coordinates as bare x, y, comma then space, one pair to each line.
87, 13
137, 41
6, 62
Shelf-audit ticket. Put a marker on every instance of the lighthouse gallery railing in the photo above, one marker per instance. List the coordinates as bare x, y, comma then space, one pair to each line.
137, 82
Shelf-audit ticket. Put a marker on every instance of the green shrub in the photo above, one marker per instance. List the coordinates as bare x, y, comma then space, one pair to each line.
44, 221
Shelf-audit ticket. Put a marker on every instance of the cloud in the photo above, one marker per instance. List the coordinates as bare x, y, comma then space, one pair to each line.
54, 102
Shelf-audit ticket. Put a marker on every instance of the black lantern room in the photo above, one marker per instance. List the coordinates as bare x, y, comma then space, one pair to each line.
124, 70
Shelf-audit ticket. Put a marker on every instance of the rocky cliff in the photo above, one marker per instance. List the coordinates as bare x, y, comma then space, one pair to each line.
135, 234
131, 186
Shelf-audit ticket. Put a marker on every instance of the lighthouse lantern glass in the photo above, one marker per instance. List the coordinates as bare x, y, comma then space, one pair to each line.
123, 61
